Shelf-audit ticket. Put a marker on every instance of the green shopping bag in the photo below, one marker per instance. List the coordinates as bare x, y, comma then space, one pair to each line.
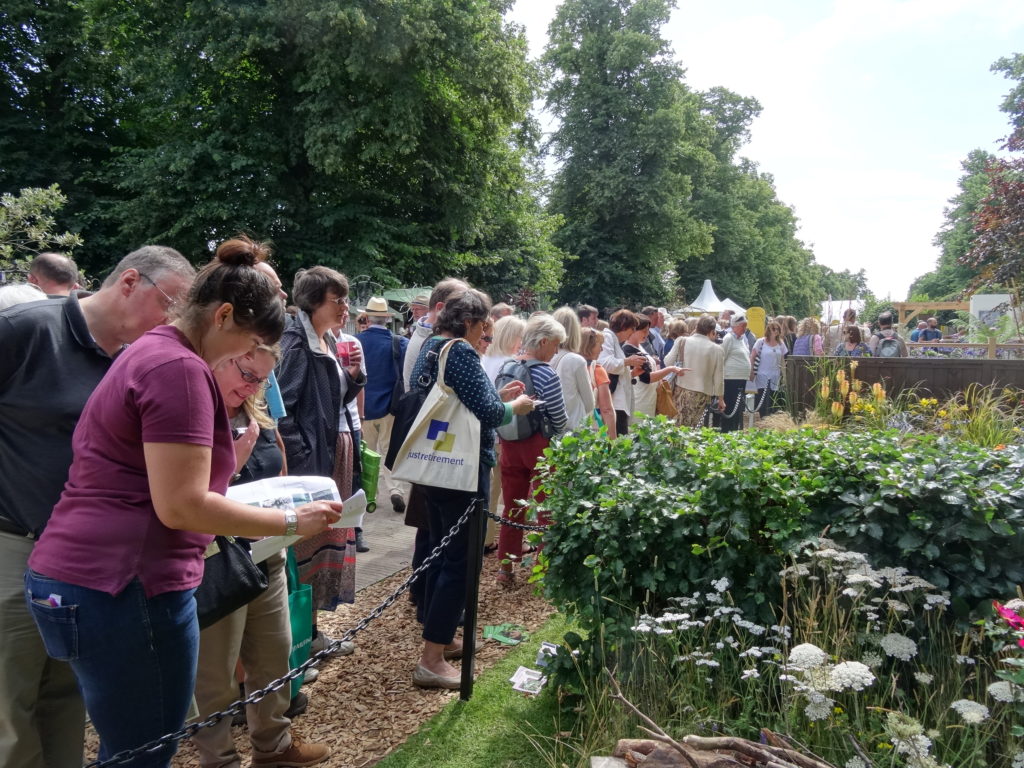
371, 471
300, 613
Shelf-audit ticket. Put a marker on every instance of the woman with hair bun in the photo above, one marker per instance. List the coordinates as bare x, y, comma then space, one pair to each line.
111, 582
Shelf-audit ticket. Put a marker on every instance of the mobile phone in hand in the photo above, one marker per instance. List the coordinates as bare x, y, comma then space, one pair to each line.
239, 431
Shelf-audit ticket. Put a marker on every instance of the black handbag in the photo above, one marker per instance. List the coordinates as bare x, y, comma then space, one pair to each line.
230, 580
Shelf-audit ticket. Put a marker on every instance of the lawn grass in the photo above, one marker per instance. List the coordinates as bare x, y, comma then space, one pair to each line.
493, 729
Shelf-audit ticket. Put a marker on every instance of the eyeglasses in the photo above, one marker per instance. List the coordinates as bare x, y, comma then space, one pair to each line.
340, 301
249, 377
170, 301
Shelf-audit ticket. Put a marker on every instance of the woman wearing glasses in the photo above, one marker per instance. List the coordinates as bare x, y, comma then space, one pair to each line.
318, 378
111, 582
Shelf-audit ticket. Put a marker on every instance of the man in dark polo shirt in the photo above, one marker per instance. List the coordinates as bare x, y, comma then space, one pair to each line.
53, 353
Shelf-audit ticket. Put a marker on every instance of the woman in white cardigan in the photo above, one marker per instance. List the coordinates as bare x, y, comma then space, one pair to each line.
572, 371
704, 359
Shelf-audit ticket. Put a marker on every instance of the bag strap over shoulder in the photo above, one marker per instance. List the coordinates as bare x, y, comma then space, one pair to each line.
442, 359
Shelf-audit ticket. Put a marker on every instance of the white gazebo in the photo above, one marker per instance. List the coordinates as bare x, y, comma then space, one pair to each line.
709, 302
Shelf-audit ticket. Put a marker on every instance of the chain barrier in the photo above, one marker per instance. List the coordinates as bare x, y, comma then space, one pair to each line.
740, 398
513, 523
238, 707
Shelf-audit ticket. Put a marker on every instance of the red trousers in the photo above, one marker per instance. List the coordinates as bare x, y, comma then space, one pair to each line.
518, 484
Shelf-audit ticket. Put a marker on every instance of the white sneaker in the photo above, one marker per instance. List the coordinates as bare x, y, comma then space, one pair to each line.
322, 641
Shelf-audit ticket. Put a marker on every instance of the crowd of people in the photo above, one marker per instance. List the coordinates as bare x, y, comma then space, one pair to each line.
130, 410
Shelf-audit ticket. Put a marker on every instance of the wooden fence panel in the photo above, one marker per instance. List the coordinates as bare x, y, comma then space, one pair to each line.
935, 377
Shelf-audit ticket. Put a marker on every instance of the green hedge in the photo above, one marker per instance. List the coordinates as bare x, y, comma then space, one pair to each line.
662, 514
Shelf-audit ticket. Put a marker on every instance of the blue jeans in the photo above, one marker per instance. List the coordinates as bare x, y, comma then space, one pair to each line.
444, 595
134, 657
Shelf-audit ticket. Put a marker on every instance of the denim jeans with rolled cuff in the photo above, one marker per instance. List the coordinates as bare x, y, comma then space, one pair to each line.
134, 657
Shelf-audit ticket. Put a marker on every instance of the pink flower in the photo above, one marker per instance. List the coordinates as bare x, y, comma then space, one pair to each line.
1011, 618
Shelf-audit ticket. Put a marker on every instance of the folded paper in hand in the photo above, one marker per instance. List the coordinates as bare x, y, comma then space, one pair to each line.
291, 492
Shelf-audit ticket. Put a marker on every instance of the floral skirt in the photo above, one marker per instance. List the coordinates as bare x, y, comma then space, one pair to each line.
691, 405
327, 561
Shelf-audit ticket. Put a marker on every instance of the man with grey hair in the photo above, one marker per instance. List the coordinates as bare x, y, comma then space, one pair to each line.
500, 310
53, 273
55, 353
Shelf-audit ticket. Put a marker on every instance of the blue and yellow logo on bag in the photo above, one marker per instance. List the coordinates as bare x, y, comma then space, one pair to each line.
443, 439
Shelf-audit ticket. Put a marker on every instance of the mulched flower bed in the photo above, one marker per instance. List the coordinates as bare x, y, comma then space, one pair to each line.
365, 705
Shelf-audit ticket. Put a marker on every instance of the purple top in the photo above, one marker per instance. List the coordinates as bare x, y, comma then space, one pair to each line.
104, 531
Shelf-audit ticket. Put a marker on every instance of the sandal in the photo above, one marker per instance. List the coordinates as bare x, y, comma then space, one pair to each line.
505, 579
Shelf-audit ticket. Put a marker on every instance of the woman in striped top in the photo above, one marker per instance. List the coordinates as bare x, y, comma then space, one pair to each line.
543, 336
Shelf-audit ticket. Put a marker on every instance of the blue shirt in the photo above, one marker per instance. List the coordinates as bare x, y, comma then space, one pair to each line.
382, 371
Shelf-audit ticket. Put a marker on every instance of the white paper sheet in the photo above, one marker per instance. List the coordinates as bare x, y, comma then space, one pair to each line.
290, 492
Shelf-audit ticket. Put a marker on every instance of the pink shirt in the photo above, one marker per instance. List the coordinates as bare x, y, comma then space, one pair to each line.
104, 531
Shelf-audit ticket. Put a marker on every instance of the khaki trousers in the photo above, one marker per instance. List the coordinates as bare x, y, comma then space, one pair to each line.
260, 635
42, 715
377, 434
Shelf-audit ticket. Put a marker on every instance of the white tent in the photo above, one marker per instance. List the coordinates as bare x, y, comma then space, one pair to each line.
709, 302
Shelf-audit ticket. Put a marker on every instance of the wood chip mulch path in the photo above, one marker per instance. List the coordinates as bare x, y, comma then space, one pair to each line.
365, 705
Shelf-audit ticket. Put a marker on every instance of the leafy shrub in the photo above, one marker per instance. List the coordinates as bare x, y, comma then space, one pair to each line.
642, 519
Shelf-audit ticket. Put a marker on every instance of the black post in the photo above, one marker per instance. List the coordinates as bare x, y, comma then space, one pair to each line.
474, 564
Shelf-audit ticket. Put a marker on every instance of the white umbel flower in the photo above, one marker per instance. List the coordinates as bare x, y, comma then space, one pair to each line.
899, 646
850, 675
818, 707
971, 711
855, 762
1017, 761
1004, 690
924, 678
807, 656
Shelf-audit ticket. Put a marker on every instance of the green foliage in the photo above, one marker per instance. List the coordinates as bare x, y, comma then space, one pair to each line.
996, 253
630, 141
28, 227
388, 138
653, 516
951, 276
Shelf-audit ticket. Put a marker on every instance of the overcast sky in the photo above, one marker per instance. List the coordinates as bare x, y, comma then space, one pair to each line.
869, 107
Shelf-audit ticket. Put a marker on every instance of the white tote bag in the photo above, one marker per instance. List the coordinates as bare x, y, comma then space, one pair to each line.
442, 448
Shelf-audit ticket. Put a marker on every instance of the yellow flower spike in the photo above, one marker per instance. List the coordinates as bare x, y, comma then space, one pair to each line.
879, 392
840, 376
837, 410
844, 388
943, 413
825, 390
854, 397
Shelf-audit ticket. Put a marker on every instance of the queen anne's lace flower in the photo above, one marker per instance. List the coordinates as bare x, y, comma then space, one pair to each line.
1004, 690
850, 675
1017, 761
855, 762
721, 584
750, 674
899, 646
872, 660
924, 678
807, 656
971, 711
818, 707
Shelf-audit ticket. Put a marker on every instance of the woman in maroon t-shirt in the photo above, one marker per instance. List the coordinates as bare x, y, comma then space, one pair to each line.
111, 581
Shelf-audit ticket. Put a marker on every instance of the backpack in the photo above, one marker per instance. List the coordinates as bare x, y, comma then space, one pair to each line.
398, 390
888, 346
522, 427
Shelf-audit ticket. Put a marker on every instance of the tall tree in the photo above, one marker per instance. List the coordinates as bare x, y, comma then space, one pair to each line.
997, 253
956, 238
381, 137
630, 139
756, 257
56, 122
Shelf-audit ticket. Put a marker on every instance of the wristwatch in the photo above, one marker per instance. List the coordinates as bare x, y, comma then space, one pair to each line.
291, 522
